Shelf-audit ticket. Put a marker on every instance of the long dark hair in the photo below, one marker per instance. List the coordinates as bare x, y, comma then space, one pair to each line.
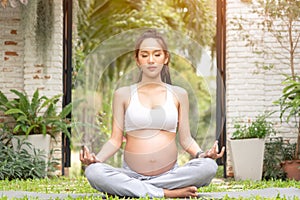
152, 33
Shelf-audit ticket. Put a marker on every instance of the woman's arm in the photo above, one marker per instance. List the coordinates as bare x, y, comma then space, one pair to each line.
115, 141
185, 137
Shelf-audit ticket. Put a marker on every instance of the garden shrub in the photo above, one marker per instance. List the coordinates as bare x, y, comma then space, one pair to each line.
272, 159
18, 163
277, 151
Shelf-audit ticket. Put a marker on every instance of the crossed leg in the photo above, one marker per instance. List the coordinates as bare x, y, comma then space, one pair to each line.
179, 182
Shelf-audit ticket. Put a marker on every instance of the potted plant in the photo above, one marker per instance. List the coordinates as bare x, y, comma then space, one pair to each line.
289, 103
247, 146
36, 119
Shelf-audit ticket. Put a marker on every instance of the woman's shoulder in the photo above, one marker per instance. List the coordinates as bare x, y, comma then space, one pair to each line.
123, 92
179, 92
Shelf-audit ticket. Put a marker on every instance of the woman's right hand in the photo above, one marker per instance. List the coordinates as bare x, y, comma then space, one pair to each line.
86, 157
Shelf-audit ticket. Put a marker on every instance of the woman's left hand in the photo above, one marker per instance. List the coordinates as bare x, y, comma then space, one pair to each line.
214, 152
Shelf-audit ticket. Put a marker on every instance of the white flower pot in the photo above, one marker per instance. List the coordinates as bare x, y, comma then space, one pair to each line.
247, 158
38, 141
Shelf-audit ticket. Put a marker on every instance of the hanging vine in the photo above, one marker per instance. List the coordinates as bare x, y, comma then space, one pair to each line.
37, 21
44, 26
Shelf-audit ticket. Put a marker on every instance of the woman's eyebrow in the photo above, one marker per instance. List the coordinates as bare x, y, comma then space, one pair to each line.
146, 51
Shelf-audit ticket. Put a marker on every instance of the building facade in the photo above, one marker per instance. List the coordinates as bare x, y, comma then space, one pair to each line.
255, 62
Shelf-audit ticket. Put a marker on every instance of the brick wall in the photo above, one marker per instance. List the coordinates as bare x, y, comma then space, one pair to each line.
249, 89
21, 66
12, 49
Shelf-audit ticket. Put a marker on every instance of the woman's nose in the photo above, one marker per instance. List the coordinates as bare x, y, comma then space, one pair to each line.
150, 60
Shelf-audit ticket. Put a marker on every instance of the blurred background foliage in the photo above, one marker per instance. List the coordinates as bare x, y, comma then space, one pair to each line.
98, 21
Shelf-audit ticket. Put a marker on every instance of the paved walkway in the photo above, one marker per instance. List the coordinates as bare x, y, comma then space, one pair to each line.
288, 193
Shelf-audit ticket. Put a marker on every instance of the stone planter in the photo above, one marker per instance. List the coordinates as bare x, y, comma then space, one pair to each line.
247, 158
38, 141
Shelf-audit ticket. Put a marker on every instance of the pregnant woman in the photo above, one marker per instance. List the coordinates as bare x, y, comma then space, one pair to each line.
149, 114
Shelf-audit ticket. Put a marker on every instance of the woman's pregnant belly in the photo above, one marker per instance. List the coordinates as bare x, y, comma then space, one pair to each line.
150, 152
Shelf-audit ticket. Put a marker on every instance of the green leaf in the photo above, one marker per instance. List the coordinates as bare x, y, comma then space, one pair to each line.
44, 129
14, 111
30, 129
23, 118
23, 101
35, 104
3, 98
16, 129
66, 111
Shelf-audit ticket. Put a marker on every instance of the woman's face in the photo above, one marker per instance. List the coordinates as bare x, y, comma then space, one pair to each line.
151, 57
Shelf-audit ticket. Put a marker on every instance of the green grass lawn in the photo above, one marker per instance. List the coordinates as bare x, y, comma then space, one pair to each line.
80, 185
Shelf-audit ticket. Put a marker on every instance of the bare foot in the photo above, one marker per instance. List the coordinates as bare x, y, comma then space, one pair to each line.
190, 191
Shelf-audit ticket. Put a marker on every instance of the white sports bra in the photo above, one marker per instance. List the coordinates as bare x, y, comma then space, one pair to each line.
164, 117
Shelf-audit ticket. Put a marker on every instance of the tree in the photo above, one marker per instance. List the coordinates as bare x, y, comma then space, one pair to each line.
279, 19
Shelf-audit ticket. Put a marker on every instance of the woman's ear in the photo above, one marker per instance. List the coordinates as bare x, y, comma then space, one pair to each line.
167, 58
137, 62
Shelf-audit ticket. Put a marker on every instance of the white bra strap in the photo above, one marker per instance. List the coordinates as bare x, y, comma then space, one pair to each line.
133, 89
169, 93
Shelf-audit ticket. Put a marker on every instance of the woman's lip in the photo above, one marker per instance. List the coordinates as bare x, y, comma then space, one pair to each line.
151, 68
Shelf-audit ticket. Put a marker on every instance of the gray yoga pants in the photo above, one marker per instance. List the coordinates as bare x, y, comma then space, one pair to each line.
125, 182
